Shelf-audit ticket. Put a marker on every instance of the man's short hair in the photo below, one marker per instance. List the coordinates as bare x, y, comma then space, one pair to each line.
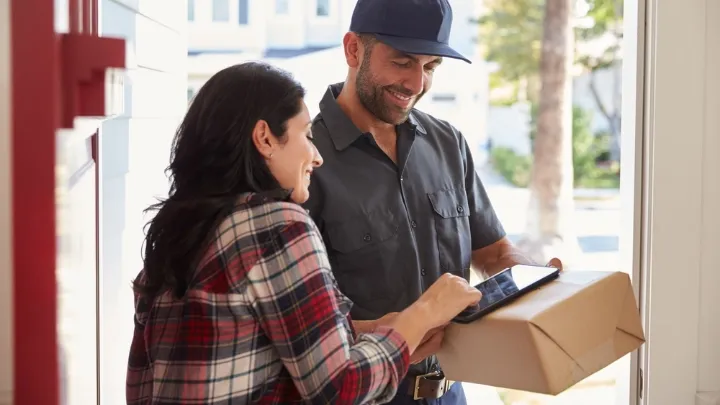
368, 41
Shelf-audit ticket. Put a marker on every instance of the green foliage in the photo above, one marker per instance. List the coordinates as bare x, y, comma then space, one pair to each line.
588, 150
511, 36
585, 146
606, 15
511, 166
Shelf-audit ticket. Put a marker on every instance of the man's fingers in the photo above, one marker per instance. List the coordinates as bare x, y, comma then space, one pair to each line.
428, 347
431, 333
555, 262
432, 343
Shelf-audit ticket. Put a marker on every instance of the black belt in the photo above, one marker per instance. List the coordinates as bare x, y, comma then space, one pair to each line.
428, 386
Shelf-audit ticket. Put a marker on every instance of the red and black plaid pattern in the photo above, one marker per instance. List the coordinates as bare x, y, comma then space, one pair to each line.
263, 322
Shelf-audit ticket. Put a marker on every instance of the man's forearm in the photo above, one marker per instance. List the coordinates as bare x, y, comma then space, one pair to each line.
490, 260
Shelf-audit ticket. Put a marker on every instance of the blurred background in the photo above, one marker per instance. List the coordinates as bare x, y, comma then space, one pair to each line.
524, 120
496, 102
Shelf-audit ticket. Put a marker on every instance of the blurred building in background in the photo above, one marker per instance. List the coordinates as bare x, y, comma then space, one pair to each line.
305, 38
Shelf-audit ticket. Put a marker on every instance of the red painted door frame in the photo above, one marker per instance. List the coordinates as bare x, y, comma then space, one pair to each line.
35, 111
55, 78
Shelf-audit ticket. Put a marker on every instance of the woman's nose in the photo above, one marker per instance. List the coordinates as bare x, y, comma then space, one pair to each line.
317, 160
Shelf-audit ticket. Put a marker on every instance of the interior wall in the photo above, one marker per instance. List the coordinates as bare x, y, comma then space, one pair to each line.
134, 151
682, 233
6, 357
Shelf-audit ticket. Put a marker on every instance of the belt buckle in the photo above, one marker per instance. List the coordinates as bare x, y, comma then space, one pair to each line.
416, 391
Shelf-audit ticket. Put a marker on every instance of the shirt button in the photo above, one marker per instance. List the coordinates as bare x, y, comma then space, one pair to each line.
422, 272
460, 209
413, 224
367, 237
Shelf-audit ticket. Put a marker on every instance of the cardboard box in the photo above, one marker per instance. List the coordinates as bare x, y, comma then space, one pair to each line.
549, 339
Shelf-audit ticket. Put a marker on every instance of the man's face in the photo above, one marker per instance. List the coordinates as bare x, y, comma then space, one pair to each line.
389, 83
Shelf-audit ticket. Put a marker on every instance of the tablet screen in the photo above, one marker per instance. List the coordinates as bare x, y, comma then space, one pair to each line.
507, 283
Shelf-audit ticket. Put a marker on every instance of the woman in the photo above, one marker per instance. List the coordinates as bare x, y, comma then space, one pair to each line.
237, 302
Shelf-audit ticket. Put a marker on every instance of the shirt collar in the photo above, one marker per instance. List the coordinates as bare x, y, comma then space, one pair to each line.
261, 197
342, 130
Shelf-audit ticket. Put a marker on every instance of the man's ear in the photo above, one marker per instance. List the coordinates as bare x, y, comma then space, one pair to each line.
353, 49
263, 139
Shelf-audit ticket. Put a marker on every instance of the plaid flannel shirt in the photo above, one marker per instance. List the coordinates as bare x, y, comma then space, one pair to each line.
262, 322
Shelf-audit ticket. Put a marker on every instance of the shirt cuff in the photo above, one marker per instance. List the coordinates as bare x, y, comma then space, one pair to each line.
397, 341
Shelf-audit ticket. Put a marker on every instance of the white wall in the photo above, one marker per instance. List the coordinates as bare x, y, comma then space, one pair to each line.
286, 31
326, 30
134, 151
682, 356
204, 34
6, 357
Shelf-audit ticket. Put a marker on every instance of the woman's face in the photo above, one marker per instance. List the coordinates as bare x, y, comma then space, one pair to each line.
293, 161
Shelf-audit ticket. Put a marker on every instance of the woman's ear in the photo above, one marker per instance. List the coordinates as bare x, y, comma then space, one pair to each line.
263, 139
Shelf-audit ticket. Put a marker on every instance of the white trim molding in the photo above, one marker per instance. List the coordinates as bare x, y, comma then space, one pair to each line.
6, 264
680, 255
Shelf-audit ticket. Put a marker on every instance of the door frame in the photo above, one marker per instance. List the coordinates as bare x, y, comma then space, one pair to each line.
35, 117
677, 246
632, 178
58, 74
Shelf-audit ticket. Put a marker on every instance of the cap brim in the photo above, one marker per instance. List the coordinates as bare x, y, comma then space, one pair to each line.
420, 47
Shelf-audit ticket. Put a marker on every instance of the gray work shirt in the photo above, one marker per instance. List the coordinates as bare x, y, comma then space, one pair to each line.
392, 230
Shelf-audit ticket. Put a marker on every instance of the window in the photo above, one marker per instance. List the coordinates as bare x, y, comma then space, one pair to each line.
191, 10
243, 12
323, 8
221, 10
282, 7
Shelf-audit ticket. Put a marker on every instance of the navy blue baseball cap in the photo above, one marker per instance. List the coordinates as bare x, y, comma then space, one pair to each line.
420, 27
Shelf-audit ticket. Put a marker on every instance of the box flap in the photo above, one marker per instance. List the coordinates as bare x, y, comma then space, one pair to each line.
630, 321
591, 340
493, 353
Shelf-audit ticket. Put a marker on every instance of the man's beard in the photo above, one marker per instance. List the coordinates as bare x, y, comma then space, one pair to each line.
372, 97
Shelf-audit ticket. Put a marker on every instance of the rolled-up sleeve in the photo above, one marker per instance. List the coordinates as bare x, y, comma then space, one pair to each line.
298, 309
485, 227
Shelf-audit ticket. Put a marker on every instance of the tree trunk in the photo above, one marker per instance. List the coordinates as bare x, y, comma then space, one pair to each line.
550, 227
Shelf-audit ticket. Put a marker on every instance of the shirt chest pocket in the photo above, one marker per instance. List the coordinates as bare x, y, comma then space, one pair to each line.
362, 251
451, 214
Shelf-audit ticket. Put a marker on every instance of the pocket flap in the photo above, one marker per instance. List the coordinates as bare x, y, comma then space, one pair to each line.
361, 231
450, 203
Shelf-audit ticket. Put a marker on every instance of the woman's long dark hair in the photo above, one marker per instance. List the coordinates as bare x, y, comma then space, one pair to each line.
213, 161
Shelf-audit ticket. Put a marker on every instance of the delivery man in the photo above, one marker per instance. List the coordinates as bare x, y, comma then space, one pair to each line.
398, 200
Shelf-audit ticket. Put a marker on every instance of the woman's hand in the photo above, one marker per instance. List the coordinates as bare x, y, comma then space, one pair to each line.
446, 298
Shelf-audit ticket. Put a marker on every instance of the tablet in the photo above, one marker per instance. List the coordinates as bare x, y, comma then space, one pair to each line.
504, 287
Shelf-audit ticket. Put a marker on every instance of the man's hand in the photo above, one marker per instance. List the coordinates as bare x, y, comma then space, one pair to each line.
363, 326
555, 262
502, 254
429, 344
